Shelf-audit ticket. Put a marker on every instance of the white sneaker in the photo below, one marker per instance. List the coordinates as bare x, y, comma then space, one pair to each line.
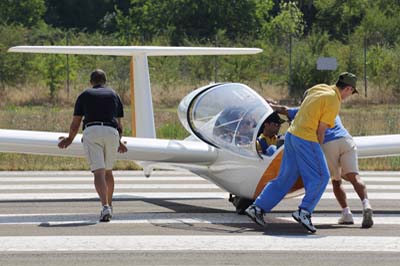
304, 218
105, 214
256, 214
367, 221
346, 219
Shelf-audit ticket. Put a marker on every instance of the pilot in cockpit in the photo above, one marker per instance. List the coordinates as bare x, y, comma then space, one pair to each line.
269, 140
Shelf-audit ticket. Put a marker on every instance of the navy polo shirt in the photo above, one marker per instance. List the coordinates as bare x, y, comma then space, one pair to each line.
100, 104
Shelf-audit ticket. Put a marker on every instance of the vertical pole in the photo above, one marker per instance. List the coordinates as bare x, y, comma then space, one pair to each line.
132, 90
365, 66
216, 61
67, 67
290, 63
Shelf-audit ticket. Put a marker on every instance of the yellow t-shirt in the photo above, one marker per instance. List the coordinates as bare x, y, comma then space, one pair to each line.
322, 103
270, 141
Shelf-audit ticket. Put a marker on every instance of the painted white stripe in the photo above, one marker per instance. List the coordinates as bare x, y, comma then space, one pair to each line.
90, 178
155, 173
53, 179
154, 186
117, 186
380, 179
369, 186
88, 173
379, 173
166, 195
177, 218
183, 179
127, 195
200, 243
371, 195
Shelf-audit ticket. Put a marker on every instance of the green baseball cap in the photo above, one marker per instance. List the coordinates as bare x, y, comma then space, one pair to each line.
348, 79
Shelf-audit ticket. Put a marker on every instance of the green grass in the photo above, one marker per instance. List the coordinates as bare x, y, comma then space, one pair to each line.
358, 119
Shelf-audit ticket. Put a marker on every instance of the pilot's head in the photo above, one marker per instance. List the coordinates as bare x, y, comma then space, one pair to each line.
272, 124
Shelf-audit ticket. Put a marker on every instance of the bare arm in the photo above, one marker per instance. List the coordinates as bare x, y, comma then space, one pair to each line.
122, 147
73, 130
321, 132
280, 109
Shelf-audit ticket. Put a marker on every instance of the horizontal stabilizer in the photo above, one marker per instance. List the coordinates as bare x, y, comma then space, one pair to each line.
134, 50
378, 146
140, 149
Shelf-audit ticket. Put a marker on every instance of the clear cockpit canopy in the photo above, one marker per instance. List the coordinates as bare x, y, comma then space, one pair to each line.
226, 116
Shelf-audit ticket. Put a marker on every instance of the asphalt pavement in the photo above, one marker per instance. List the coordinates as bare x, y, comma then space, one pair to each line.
176, 218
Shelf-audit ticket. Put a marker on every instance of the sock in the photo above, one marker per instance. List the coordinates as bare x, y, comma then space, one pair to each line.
346, 210
366, 204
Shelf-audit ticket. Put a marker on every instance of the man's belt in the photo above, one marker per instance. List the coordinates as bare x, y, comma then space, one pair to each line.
99, 123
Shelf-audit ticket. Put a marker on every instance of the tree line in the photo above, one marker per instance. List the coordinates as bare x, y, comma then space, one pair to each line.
363, 35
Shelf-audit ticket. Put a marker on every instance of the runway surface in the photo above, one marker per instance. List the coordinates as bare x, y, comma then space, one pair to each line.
176, 218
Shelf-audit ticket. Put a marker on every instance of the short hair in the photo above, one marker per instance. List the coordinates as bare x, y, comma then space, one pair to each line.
341, 85
274, 118
97, 77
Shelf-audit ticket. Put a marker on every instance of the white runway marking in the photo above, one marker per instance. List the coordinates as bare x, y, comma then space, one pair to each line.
200, 243
132, 173
177, 218
244, 239
165, 195
153, 186
90, 179
117, 186
154, 173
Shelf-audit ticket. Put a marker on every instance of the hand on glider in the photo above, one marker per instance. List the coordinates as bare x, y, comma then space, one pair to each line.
64, 142
122, 148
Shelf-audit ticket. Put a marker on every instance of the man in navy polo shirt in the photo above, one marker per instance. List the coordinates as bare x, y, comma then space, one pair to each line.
102, 110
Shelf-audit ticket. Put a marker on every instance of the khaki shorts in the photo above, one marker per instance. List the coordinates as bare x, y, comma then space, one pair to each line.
341, 156
101, 146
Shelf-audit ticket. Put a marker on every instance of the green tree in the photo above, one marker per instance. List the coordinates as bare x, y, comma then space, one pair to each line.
13, 66
339, 17
306, 53
380, 23
186, 19
88, 15
27, 13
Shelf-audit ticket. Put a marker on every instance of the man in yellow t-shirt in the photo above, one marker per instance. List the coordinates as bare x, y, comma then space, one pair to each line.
303, 155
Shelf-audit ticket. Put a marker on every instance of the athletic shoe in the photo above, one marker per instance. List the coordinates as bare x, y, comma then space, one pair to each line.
256, 214
105, 214
367, 221
346, 219
304, 218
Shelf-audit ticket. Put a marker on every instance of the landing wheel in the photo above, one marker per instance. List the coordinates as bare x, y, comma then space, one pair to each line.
241, 204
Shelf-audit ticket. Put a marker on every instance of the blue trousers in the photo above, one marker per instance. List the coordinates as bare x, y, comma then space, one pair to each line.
300, 158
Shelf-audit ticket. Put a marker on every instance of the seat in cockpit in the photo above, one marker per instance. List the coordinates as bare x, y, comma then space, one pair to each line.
227, 123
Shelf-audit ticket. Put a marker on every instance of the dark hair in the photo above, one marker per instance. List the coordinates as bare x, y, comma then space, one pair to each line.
274, 118
98, 77
341, 85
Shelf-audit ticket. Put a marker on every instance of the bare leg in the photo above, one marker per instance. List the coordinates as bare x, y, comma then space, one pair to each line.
101, 185
361, 190
358, 184
110, 186
339, 192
